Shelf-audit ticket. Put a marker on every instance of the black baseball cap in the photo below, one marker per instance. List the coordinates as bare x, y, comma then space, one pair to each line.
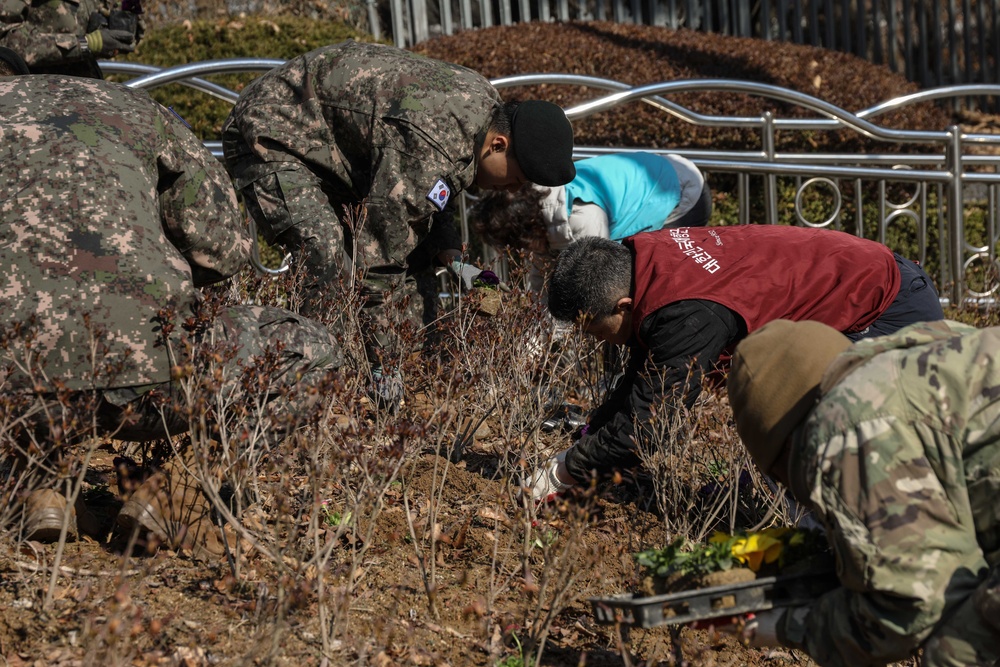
542, 143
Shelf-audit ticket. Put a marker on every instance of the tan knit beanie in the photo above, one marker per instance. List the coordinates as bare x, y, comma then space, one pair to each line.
775, 379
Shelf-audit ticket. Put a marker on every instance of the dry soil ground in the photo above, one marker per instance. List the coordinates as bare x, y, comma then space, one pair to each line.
167, 609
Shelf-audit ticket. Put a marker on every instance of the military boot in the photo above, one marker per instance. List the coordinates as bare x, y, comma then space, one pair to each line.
170, 509
44, 514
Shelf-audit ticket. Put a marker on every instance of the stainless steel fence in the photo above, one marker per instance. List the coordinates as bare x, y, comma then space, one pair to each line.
942, 189
931, 42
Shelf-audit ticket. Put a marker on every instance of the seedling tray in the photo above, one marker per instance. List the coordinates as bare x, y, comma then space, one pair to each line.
712, 602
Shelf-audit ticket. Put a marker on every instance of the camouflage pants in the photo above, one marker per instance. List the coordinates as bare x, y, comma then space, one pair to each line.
253, 355
972, 634
294, 208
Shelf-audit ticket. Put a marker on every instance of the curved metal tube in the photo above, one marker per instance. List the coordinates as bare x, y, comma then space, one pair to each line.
942, 92
186, 75
733, 85
201, 85
846, 118
207, 87
258, 265
656, 101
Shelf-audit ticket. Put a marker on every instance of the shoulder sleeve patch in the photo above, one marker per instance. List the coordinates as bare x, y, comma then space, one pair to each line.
440, 194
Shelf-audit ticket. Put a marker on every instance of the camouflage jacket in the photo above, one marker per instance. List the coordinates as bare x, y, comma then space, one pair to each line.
110, 209
46, 33
371, 121
900, 460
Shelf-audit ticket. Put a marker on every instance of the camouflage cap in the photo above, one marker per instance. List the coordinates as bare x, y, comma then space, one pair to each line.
774, 382
542, 143
11, 63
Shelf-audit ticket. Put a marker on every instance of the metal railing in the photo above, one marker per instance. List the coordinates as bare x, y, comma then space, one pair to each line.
946, 171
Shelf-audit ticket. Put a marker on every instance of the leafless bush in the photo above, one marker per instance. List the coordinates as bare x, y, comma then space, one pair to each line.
307, 502
702, 476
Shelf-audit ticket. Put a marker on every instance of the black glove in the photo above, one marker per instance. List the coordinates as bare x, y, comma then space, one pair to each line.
106, 42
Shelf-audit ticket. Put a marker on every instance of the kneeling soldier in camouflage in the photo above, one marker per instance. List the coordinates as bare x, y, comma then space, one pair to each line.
113, 214
894, 443
353, 123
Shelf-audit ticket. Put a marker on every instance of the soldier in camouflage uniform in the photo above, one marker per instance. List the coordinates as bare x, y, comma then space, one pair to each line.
894, 443
402, 134
112, 214
67, 36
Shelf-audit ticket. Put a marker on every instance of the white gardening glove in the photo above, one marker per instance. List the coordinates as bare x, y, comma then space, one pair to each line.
467, 273
471, 275
544, 484
386, 389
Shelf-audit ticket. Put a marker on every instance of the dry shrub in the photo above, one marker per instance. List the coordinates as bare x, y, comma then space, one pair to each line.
702, 477
637, 55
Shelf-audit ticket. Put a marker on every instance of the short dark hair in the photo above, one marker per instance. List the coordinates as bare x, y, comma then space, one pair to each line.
591, 275
504, 219
500, 121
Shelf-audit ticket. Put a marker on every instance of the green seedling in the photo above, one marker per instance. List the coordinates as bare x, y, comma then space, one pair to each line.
680, 557
333, 517
519, 660
546, 539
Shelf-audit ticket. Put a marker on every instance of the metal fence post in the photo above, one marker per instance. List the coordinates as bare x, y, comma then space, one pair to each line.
770, 180
447, 22
373, 22
398, 23
466, 14
956, 212
524, 7
693, 17
418, 21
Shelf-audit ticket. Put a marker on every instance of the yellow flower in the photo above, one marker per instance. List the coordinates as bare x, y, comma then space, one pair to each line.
757, 549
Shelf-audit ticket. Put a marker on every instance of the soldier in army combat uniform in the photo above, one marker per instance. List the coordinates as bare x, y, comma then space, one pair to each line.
402, 134
112, 215
894, 442
64, 37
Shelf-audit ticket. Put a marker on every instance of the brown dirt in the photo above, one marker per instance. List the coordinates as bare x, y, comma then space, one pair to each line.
169, 610
678, 581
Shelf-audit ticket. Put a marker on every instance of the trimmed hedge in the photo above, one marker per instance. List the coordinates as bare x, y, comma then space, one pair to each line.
638, 55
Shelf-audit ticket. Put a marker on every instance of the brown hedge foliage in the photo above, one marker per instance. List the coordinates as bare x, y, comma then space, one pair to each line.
636, 55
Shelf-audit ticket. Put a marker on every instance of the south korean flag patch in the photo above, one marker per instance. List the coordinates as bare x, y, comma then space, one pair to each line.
440, 194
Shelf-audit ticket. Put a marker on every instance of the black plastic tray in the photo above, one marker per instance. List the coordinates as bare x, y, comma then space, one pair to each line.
713, 602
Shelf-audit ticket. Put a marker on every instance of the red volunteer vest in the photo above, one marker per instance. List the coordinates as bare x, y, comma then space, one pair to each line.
764, 273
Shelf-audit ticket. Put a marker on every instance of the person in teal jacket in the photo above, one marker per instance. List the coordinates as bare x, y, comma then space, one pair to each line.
612, 196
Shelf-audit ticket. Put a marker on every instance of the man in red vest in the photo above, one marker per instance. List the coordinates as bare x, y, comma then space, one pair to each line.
680, 298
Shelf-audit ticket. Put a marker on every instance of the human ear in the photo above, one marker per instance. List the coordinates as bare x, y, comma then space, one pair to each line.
624, 304
499, 144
